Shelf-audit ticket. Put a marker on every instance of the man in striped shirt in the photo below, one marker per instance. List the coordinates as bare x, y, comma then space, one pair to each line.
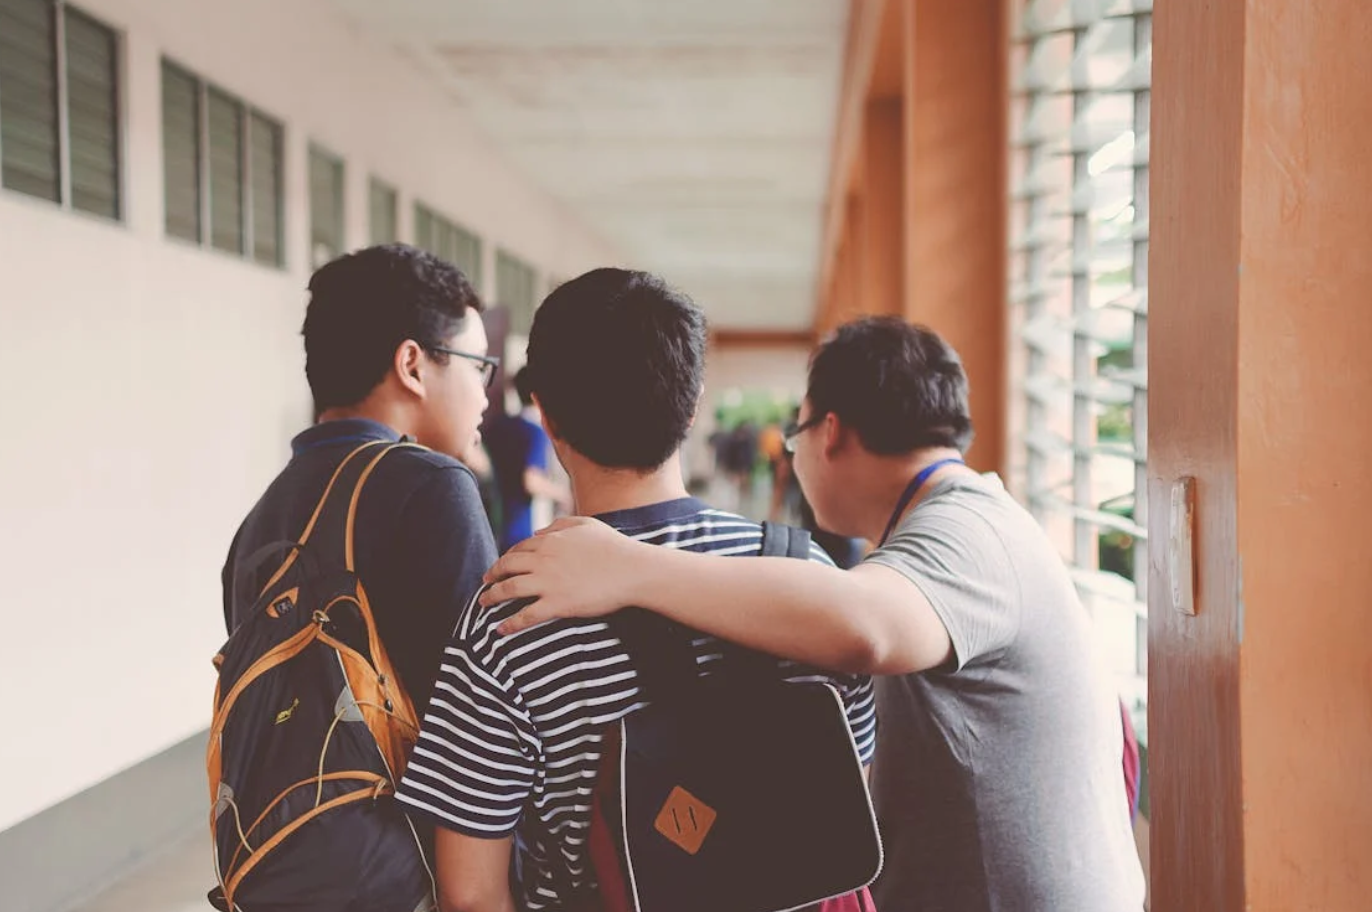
507, 758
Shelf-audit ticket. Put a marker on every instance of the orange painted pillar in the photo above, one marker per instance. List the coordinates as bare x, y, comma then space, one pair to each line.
853, 275
844, 295
956, 191
827, 301
883, 227
843, 287
1260, 331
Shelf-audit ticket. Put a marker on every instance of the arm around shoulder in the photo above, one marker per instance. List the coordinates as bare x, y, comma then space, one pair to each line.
869, 620
905, 634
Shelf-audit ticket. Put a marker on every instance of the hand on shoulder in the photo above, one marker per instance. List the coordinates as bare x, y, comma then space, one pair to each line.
576, 568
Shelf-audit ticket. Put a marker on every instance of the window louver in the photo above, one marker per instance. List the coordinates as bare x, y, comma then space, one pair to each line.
383, 213
1080, 291
266, 189
326, 207
448, 240
59, 106
516, 288
92, 114
226, 172
181, 153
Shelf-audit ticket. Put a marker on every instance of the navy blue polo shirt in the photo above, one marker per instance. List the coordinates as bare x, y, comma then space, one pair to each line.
422, 541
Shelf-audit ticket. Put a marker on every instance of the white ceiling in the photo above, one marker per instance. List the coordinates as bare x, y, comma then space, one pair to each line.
694, 135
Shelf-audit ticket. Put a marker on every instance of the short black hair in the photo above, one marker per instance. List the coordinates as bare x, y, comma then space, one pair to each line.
899, 385
524, 386
363, 305
617, 360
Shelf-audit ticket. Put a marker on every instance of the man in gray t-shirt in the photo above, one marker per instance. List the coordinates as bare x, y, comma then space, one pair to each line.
998, 775
999, 771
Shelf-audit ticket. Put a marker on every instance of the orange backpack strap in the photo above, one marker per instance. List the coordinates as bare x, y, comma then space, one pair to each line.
330, 536
331, 526
348, 525
326, 512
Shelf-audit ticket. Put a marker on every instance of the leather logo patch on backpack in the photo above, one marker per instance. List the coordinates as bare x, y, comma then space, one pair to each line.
685, 820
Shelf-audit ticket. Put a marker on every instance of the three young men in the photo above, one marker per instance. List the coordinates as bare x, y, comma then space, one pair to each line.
997, 775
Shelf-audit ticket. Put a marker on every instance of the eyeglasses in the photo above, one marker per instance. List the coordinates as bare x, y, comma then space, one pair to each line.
488, 364
793, 432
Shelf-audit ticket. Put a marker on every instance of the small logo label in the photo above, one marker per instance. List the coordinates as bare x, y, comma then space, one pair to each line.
685, 820
285, 714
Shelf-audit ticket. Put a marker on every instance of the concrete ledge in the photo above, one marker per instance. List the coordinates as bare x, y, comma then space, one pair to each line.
73, 850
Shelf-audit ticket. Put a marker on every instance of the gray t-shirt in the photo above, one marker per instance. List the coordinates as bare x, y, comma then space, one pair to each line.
998, 778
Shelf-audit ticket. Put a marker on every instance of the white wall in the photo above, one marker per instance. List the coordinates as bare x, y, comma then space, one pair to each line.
148, 389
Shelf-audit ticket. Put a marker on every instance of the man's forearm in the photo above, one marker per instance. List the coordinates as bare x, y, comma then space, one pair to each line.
871, 619
795, 609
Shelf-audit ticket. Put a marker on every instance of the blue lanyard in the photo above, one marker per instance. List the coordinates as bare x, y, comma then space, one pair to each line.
912, 489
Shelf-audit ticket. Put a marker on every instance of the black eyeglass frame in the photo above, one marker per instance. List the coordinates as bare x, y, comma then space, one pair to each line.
489, 365
794, 430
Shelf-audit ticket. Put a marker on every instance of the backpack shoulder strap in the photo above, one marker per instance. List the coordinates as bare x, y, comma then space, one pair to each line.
780, 540
331, 526
661, 649
329, 531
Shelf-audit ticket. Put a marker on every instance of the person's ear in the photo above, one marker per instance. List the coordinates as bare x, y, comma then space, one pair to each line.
695, 412
548, 425
410, 367
834, 434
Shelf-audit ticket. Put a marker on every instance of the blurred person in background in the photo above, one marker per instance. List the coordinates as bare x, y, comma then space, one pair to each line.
521, 455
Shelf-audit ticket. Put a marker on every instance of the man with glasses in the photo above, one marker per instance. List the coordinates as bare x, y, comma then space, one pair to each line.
997, 774
394, 349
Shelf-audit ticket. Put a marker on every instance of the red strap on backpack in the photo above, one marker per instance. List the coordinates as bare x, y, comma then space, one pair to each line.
1132, 765
606, 860
861, 901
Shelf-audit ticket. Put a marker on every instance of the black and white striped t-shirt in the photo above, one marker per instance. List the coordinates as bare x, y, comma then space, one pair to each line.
511, 740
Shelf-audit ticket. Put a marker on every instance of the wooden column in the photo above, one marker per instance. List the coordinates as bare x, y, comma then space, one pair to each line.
1259, 340
854, 276
844, 297
956, 189
839, 299
884, 207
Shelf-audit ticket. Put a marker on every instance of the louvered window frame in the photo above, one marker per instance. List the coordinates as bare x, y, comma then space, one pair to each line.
516, 288
266, 213
383, 212
328, 205
74, 160
445, 238
258, 201
1079, 295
